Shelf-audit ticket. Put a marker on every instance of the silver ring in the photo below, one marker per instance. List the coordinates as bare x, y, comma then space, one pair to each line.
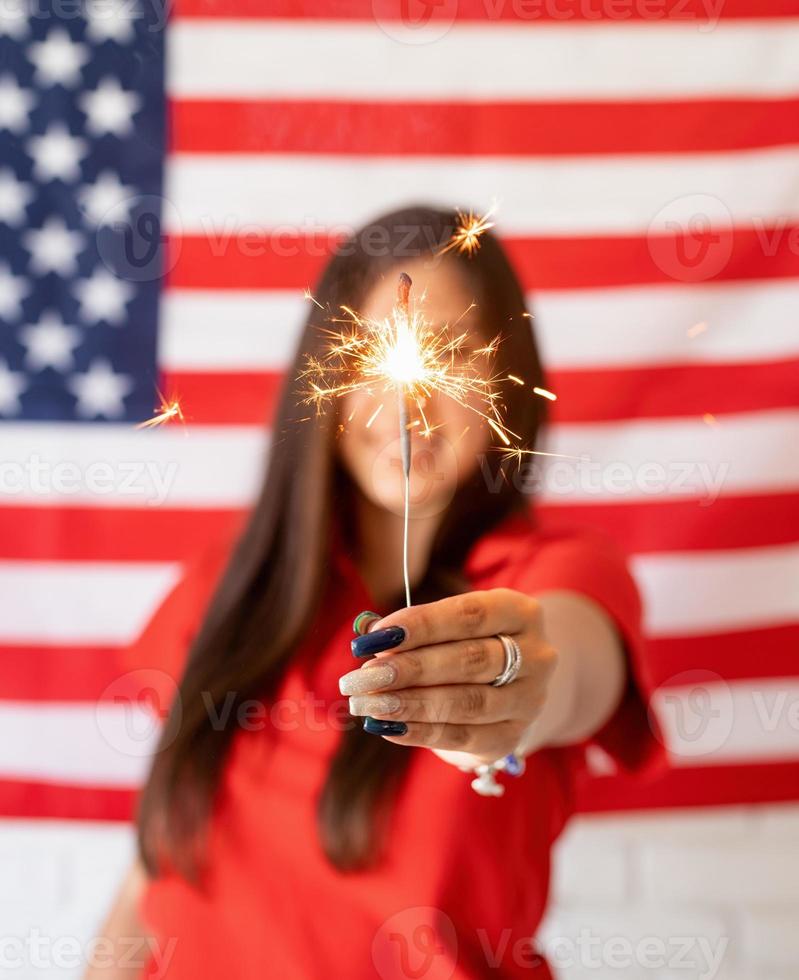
513, 661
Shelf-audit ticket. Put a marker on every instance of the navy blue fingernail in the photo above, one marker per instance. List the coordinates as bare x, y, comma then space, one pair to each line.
369, 643
379, 726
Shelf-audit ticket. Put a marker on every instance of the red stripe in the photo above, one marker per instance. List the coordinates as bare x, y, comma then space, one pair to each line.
716, 786
685, 390
659, 525
249, 398
108, 534
480, 128
733, 656
29, 799
76, 674
60, 673
238, 398
563, 12
285, 260
164, 534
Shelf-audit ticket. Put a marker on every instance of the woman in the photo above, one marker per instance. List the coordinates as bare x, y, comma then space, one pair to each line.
309, 813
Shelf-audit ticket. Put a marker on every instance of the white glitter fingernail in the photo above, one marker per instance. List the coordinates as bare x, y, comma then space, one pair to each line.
362, 681
375, 704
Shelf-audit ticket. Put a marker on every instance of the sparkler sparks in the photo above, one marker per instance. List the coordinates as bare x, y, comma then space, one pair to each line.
405, 354
307, 294
466, 237
168, 410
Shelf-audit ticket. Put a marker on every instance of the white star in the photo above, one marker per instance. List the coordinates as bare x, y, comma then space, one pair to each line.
12, 289
15, 196
12, 384
13, 18
100, 391
59, 59
50, 343
57, 153
110, 108
53, 247
107, 200
103, 297
111, 20
15, 104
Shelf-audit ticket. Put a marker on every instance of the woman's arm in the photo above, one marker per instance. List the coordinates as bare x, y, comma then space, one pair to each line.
588, 681
123, 946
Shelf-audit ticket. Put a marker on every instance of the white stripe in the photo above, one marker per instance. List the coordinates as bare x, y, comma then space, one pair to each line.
80, 602
118, 466
228, 195
650, 459
694, 593
92, 745
248, 59
657, 459
210, 330
258, 330
685, 594
649, 326
707, 721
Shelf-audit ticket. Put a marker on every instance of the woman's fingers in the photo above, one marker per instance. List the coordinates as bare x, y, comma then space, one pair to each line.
474, 661
488, 742
460, 617
478, 704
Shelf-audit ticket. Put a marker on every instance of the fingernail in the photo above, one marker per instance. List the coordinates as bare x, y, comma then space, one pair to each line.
360, 624
376, 726
375, 704
368, 678
369, 643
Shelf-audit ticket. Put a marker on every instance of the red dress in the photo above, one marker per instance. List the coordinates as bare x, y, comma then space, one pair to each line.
464, 882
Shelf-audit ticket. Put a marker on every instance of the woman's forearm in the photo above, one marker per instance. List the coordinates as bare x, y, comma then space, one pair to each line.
588, 681
123, 946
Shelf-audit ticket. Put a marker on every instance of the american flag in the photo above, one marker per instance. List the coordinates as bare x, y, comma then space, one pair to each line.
644, 160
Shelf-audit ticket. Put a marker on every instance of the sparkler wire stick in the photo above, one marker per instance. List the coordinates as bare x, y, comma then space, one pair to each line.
403, 294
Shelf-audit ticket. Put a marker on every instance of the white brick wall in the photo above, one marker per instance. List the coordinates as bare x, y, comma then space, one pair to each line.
692, 895
715, 891
57, 879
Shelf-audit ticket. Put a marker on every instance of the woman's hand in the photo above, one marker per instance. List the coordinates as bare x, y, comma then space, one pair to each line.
436, 678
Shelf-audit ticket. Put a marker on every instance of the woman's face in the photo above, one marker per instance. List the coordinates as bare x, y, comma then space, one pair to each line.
440, 460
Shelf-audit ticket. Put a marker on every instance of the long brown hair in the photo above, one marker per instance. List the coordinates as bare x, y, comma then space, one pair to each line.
273, 582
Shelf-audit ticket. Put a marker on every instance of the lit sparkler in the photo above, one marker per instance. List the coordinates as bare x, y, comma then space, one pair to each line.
405, 354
